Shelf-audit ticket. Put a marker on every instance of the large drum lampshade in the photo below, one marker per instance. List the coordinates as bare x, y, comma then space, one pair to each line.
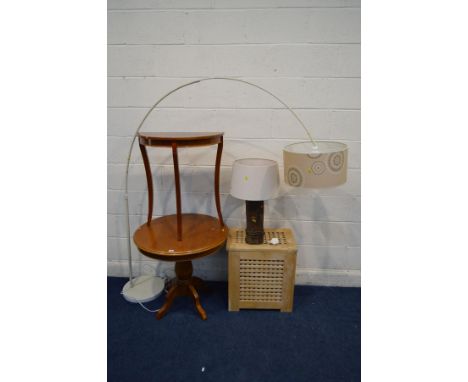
315, 164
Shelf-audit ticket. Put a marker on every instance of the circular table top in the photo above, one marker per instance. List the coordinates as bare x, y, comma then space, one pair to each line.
201, 235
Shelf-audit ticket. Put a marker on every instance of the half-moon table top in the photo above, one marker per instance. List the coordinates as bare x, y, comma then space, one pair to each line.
180, 138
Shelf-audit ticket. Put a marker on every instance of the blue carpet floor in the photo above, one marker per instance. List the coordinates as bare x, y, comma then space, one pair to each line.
319, 341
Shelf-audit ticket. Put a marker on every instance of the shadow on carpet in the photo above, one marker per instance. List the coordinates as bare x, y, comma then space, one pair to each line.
319, 341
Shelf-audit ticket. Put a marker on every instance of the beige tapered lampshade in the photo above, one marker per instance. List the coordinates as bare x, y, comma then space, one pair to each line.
255, 179
317, 164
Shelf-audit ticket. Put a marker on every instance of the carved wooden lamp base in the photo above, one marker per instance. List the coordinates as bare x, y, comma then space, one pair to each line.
183, 285
254, 232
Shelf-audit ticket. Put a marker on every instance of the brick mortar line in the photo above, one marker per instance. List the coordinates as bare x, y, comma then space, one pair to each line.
229, 108
233, 44
347, 196
239, 77
181, 165
125, 44
193, 10
252, 139
243, 218
299, 245
124, 163
264, 77
226, 193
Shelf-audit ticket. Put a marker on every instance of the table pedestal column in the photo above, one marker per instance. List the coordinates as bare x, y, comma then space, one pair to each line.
183, 285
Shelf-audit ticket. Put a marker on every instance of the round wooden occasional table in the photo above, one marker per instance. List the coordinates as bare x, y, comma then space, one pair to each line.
181, 237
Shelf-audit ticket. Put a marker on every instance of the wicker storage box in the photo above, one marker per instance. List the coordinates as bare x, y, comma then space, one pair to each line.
261, 276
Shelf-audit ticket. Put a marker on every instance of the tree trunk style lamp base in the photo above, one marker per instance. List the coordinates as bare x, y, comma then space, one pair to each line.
254, 233
254, 180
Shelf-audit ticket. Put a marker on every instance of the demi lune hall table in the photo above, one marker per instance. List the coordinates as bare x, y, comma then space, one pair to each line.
181, 237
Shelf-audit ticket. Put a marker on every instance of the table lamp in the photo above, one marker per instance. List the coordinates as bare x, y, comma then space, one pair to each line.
254, 180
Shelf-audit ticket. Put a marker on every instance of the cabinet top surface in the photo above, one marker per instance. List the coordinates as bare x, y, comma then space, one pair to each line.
179, 136
236, 240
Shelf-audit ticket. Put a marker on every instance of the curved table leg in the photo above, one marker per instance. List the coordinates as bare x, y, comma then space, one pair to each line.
175, 159
216, 182
198, 283
196, 298
169, 299
149, 179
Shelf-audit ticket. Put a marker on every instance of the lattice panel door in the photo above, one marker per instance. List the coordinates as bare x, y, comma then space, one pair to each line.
261, 280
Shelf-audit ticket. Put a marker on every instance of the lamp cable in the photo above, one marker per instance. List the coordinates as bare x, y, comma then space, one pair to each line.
155, 271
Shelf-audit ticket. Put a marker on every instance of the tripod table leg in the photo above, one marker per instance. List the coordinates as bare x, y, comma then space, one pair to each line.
169, 299
194, 294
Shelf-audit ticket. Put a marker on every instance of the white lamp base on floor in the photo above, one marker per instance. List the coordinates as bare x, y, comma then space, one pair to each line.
145, 288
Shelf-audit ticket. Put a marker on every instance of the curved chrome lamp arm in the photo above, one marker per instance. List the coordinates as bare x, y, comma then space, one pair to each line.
147, 115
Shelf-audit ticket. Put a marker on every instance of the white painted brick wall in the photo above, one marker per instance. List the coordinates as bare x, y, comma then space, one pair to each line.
305, 51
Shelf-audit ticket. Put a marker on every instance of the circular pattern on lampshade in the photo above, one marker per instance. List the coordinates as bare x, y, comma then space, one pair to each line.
335, 161
319, 165
294, 177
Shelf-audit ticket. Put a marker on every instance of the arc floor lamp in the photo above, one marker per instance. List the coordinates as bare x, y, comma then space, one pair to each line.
312, 164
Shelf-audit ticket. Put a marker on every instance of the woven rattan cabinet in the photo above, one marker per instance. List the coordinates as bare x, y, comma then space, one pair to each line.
261, 276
